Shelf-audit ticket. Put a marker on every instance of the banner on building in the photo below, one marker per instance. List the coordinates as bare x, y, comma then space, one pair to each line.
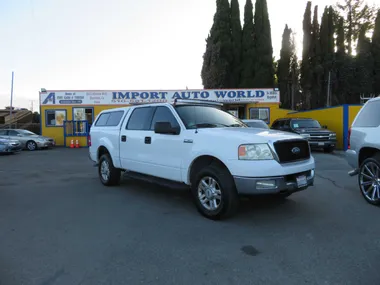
157, 96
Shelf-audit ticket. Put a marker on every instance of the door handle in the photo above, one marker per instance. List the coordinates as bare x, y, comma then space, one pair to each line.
148, 140
123, 138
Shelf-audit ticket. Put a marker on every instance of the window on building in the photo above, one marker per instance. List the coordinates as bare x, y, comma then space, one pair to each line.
55, 118
259, 114
140, 119
163, 114
83, 114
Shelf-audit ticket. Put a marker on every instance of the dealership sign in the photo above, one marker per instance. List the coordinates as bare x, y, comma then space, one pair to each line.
157, 96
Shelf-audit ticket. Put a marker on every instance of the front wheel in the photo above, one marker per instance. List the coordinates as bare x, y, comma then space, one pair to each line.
108, 174
31, 145
214, 193
369, 180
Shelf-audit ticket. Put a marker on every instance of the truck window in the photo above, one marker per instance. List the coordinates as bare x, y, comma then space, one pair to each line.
102, 120
140, 119
114, 118
369, 116
163, 114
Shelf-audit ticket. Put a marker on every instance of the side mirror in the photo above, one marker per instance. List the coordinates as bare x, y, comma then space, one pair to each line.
166, 128
324, 127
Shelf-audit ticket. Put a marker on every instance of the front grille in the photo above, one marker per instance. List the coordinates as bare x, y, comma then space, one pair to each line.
319, 137
292, 150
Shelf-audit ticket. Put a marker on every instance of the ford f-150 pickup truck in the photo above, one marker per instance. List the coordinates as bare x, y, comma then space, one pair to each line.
198, 145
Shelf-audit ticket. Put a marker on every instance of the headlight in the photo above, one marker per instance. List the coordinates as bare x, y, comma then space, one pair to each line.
255, 152
305, 136
333, 135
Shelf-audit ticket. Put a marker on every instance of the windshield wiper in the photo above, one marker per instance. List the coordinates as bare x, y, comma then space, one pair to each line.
208, 125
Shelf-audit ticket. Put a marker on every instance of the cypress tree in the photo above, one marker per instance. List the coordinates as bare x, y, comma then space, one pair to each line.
236, 33
218, 57
264, 72
247, 62
305, 64
376, 55
284, 68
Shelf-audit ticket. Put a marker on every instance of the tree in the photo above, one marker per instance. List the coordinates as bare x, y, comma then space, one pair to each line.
218, 57
356, 14
236, 34
248, 48
283, 71
306, 74
264, 73
376, 55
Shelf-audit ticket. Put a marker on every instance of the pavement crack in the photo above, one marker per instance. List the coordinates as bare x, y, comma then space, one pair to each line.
329, 179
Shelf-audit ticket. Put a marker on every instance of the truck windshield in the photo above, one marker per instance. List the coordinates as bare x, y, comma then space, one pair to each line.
305, 124
206, 117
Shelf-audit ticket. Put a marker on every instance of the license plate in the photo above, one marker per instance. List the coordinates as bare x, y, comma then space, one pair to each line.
301, 181
321, 143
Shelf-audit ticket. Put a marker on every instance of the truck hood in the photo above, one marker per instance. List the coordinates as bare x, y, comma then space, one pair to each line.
249, 135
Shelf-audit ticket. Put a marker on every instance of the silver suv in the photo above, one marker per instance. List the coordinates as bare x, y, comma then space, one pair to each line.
363, 153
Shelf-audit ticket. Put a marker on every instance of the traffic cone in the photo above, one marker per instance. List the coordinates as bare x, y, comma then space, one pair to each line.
76, 144
72, 144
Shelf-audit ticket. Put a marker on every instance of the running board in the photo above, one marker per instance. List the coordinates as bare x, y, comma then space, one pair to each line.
155, 180
354, 172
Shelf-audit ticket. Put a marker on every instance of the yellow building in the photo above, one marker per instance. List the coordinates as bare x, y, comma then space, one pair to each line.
68, 115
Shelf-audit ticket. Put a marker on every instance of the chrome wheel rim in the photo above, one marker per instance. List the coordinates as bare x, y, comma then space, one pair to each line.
369, 181
105, 170
31, 146
209, 193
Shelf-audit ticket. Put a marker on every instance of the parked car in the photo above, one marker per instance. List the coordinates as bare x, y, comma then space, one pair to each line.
256, 124
28, 139
310, 129
10, 146
196, 144
363, 153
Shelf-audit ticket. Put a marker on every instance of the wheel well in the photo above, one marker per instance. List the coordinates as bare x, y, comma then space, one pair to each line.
102, 150
201, 162
367, 152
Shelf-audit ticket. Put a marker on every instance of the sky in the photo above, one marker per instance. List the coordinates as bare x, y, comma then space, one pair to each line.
114, 44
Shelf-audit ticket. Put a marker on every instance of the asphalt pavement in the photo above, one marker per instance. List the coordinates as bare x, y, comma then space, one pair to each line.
60, 226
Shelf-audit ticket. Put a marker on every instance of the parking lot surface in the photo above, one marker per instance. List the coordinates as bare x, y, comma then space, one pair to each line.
60, 226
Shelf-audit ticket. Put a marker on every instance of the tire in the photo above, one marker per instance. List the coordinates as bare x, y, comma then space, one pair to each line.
108, 174
369, 184
329, 149
31, 145
228, 200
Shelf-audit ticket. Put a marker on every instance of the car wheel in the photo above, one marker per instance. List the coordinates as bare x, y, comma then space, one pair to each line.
369, 179
108, 174
214, 192
31, 145
329, 149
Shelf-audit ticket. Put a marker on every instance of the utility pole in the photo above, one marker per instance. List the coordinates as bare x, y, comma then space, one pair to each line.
328, 91
11, 107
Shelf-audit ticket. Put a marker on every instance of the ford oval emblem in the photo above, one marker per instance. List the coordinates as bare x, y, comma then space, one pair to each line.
296, 150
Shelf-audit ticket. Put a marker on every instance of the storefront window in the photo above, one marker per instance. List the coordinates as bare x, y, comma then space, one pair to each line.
83, 114
55, 118
259, 114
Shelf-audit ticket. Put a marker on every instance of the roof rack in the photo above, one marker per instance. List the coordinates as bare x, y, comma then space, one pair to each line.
197, 102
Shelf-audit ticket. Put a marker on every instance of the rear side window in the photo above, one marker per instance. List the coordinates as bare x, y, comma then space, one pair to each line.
114, 118
140, 119
102, 121
369, 116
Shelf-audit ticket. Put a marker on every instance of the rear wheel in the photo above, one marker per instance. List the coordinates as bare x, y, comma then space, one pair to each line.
108, 174
369, 179
214, 192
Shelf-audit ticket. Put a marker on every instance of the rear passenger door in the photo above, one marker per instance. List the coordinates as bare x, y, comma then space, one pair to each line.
134, 149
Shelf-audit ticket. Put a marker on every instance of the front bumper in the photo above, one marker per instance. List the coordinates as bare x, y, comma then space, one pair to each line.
323, 144
273, 185
45, 144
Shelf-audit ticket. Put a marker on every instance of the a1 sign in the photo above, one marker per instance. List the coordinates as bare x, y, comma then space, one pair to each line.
301, 181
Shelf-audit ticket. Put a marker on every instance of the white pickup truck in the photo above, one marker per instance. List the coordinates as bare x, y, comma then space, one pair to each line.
196, 144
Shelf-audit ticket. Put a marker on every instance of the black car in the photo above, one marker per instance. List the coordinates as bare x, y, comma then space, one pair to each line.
310, 129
